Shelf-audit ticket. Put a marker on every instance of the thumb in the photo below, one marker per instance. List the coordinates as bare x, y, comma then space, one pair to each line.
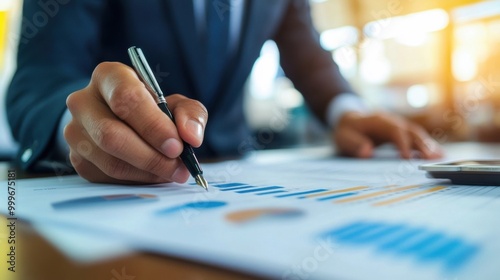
350, 142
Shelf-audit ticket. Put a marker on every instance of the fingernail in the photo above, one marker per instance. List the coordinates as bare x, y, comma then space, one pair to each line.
172, 148
195, 128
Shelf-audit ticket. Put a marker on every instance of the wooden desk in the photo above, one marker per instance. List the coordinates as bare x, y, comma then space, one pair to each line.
37, 259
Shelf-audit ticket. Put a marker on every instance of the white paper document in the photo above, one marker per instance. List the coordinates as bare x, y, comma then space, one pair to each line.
308, 219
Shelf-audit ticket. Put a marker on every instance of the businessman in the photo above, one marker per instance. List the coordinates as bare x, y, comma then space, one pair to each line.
74, 95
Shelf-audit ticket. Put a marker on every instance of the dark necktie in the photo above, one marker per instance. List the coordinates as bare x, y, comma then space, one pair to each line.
218, 18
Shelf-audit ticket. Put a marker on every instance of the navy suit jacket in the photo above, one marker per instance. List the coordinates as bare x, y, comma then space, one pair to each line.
61, 44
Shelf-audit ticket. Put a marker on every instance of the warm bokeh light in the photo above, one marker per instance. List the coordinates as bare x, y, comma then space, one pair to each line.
374, 66
416, 23
464, 65
418, 96
339, 37
412, 39
477, 11
375, 70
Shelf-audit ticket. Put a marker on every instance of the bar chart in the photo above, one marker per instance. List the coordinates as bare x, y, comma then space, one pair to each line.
375, 196
420, 244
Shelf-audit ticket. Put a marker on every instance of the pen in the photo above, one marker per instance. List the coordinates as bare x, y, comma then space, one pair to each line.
144, 71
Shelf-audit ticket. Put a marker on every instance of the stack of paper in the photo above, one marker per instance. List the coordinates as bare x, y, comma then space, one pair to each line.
310, 219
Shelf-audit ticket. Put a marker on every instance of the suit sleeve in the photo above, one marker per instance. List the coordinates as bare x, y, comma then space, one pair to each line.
310, 68
58, 50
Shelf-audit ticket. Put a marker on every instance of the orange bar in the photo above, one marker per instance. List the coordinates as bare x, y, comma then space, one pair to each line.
337, 191
370, 195
408, 196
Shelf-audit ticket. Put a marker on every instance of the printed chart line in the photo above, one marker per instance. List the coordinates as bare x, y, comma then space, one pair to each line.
337, 191
341, 196
408, 196
375, 194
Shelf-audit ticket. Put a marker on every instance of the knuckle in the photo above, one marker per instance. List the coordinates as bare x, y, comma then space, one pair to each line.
103, 68
108, 137
382, 117
396, 133
69, 131
99, 71
202, 110
85, 148
417, 129
73, 101
175, 97
124, 99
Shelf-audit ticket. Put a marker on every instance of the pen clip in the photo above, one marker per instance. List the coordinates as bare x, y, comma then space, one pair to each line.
142, 68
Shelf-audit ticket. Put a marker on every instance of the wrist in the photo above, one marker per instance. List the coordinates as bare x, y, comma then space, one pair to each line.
345, 103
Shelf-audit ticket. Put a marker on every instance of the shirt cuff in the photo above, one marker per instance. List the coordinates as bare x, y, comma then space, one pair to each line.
343, 103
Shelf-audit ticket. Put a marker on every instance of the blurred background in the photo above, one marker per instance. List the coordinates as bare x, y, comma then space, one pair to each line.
434, 61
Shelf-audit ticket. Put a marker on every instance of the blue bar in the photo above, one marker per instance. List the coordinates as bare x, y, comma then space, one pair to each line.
378, 234
346, 231
442, 250
201, 205
273, 192
228, 185
421, 245
103, 200
238, 188
398, 242
355, 235
334, 196
457, 259
259, 189
301, 193
403, 241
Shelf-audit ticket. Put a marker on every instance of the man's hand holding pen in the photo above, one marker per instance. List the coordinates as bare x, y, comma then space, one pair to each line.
119, 135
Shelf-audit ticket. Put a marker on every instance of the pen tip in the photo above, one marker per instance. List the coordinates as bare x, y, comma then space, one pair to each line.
201, 182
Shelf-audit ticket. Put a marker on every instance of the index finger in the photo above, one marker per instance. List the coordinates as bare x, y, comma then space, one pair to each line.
423, 142
190, 118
